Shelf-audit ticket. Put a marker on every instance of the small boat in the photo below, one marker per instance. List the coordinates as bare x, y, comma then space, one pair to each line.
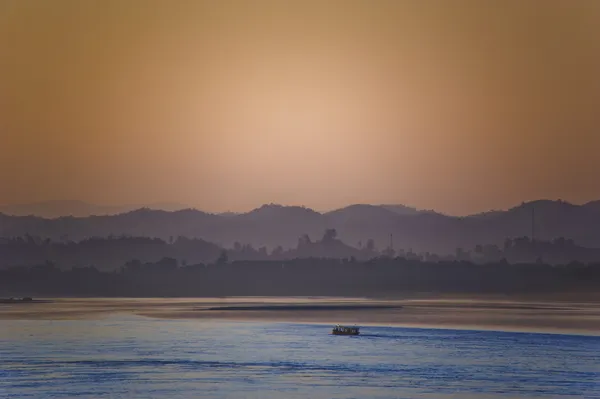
344, 330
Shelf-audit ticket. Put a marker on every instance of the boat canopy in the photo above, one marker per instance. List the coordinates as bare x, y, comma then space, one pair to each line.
346, 328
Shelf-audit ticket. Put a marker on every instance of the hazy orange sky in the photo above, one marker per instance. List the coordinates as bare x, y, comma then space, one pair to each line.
459, 106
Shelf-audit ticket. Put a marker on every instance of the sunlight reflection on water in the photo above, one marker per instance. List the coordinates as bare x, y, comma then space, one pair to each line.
130, 356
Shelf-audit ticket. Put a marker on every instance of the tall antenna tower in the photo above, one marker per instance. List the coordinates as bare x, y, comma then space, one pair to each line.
532, 223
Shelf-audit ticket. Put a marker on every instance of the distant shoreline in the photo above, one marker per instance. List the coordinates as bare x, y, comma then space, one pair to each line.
10, 301
559, 297
459, 313
285, 308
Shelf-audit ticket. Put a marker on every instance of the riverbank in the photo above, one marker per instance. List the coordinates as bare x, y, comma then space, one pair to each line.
563, 316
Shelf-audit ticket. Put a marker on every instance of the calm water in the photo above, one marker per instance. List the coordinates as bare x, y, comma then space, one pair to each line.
135, 357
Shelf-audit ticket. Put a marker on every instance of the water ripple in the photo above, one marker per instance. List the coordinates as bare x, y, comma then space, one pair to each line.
126, 358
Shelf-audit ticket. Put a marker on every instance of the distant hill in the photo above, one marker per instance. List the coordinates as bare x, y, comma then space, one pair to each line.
58, 208
362, 215
403, 209
273, 225
593, 206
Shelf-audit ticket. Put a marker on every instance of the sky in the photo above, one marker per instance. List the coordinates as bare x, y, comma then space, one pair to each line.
460, 106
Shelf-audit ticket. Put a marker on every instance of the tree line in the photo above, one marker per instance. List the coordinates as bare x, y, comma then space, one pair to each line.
109, 253
382, 276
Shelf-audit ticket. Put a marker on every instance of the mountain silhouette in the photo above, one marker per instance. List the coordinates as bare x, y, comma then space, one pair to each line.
403, 209
277, 225
57, 208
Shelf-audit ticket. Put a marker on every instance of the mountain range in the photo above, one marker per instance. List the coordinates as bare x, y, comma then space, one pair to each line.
57, 208
273, 225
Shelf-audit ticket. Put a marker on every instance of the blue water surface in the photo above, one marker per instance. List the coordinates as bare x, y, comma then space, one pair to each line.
136, 357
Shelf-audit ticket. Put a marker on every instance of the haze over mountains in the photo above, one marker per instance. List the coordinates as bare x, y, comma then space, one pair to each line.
58, 208
274, 225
